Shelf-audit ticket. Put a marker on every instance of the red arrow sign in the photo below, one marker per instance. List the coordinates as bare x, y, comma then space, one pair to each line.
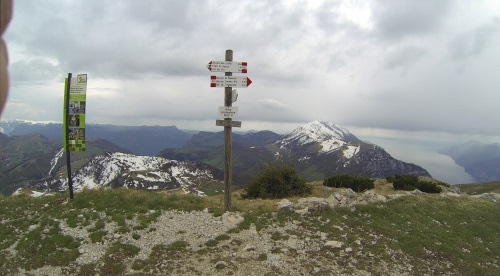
230, 81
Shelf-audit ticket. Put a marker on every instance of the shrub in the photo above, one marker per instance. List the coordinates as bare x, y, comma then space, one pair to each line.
405, 182
356, 183
276, 181
429, 187
411, 182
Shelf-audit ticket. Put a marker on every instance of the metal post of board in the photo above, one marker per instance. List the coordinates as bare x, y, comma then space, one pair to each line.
68, 158
228, 142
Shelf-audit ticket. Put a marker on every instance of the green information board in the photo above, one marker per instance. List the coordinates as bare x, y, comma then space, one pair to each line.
74, 114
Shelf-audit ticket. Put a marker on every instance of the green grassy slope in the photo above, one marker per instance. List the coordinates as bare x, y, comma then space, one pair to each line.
479, 188
420, 234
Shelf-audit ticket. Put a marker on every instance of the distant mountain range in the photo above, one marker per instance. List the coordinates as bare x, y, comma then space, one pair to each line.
191, 162
141, 140
480, 160
318, 149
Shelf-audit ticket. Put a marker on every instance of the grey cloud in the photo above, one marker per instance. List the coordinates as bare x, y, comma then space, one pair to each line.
396, 19
270, 110
274, 104
403, 57
111, 39
473, 43
327, 17
161, 15
307, 60
35, 70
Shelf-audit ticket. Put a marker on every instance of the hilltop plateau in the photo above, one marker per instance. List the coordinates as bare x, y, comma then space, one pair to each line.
333, 232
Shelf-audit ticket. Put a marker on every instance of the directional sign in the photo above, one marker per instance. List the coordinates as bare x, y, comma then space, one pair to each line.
227, 66
227, 123
229, 81
228, 111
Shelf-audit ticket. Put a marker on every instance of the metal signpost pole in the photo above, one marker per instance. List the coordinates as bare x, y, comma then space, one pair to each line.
68, 158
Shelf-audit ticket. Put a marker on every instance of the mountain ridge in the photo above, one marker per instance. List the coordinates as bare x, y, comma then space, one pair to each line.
141, 140
334, 150
318, 149
113, 170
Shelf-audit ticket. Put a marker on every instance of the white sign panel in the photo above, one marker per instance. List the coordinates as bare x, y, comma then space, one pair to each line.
227, 66
230, 81
227, 112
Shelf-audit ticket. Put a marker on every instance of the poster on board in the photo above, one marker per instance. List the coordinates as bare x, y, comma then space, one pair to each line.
74, 113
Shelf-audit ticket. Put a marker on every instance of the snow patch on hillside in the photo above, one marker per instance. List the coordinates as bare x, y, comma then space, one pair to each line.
351, 151
53, 162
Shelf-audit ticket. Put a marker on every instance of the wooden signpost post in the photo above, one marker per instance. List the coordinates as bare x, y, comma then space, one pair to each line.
227, 112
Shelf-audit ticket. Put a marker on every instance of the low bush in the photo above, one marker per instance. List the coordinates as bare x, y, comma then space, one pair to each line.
411, 182
276, 181
356, 183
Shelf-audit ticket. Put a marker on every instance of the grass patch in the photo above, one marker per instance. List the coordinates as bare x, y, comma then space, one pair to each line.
177, 245
163, 258
480, 188
97, 236
212, 243
276, 236
423, 228
262, 257
222, 237
45, 245
145, 219
116, 256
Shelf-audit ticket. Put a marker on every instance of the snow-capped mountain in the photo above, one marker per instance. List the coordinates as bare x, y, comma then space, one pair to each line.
326, 149
113, 170
318, 150
328, 136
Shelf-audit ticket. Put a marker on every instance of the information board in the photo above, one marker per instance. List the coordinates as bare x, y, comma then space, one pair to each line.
74, 116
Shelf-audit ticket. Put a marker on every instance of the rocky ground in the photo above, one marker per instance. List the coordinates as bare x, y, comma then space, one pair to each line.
199, 243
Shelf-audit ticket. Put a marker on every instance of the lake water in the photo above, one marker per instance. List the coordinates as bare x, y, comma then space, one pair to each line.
441, 167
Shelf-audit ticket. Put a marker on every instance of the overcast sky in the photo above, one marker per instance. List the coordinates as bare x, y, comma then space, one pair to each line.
384, 68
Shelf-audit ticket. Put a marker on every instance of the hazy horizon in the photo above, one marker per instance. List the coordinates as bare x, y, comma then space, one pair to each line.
422, 152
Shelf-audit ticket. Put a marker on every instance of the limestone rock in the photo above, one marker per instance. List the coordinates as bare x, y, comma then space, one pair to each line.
285, 205
313, 204
334, 244
344, 198
302, 211
449, 194
369, 197
489, 196
220, 265
249, 247
231, 219
416, 191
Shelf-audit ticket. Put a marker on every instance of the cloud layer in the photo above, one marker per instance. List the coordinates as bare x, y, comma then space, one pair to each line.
403, 65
